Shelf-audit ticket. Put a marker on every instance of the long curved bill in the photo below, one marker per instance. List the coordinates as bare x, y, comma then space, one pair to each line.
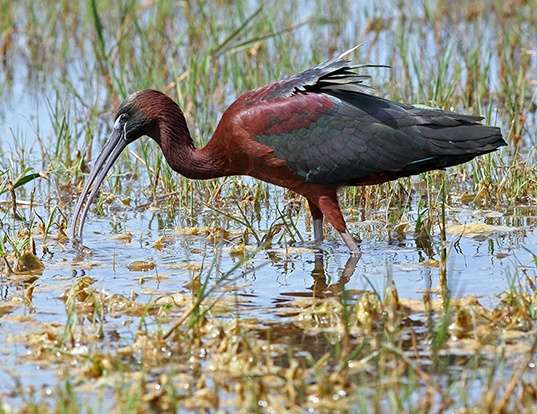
111, 151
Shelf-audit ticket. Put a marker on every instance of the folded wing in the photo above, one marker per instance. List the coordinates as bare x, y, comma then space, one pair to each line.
329, 131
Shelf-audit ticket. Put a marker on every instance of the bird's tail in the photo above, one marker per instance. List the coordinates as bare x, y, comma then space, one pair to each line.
452, 145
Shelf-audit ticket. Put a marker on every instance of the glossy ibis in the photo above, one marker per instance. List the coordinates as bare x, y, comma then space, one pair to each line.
311, 133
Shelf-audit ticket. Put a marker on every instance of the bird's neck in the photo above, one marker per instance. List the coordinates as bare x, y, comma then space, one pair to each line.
181, 154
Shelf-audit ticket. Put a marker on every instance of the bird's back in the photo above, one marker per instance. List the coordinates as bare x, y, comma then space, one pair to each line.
326, 129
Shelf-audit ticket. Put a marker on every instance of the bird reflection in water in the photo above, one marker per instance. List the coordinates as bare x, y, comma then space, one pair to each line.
321, 287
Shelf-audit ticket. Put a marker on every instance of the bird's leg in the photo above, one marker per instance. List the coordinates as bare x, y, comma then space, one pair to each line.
330, 208
350, 241
317, 216
318, 230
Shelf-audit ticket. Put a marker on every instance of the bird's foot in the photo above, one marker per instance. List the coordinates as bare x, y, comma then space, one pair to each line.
351, 243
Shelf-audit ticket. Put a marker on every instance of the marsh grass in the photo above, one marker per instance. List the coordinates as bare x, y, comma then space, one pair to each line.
339, 351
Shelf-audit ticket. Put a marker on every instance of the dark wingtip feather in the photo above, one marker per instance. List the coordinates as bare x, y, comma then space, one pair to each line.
334, 75
501, 141
479, 140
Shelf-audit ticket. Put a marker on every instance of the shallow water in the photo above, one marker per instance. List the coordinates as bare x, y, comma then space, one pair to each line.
482, 266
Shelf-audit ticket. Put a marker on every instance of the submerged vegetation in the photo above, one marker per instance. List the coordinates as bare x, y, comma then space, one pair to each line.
209, 295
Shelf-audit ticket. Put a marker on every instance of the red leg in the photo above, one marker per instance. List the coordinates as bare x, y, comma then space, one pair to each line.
330, 208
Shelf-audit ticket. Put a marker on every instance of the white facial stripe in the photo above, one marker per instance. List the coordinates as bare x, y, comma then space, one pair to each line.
118, 121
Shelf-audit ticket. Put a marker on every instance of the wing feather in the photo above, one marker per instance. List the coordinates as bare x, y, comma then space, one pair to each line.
328, 130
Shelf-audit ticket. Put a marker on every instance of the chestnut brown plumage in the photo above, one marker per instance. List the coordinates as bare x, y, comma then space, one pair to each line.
311, 133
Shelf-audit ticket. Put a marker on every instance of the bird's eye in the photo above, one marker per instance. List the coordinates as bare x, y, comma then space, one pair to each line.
120, 120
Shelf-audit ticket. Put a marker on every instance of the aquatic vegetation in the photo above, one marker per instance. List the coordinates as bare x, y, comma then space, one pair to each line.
209, 295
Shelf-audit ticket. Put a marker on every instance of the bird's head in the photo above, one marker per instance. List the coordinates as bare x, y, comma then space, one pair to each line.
138, 115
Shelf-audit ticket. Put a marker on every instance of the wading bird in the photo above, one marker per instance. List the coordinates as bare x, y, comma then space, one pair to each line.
311, 133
